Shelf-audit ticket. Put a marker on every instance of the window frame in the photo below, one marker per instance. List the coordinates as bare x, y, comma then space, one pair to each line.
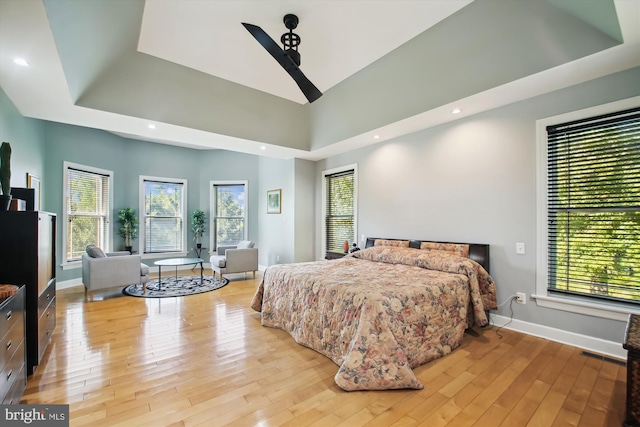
212, 206
333, 171
142, 217
72, 264
575, 304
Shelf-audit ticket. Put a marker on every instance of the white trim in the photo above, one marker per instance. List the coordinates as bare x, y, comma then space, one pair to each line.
69, 283
73, 265
602, 309
141, 216
324, 201
108, 244
596, 345
572, 304
212, 199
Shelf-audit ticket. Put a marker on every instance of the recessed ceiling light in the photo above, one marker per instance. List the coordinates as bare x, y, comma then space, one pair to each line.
456, 111
21, 62
376, 136
263, 147
151, 126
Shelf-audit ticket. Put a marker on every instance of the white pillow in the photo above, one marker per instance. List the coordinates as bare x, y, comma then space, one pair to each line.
244, 244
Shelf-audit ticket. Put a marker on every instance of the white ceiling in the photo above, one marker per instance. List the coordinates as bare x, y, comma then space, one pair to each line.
339, 39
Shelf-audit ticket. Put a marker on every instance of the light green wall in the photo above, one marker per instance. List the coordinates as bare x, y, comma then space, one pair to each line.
27, 140
33, 141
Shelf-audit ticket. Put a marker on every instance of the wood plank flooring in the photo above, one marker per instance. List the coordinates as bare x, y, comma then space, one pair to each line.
205, 360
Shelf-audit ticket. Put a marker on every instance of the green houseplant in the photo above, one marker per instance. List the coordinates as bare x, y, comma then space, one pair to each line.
5, 176
128, 226
198, 219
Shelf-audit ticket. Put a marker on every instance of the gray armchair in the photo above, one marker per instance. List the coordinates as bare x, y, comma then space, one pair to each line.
240, 258
110, 270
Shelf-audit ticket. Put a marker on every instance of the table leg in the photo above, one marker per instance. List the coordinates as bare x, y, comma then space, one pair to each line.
159, 277
201, 270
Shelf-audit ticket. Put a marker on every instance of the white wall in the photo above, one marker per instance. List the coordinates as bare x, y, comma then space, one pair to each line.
474, 180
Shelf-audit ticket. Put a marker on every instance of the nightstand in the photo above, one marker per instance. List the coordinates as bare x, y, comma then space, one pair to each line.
334, 255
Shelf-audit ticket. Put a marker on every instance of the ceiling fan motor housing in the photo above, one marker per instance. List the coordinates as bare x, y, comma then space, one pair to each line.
290, 41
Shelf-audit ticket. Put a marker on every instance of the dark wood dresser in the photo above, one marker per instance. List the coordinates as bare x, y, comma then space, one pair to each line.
13, 360
28, 254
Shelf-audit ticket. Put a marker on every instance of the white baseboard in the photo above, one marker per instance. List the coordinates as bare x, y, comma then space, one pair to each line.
69, 283
595, 345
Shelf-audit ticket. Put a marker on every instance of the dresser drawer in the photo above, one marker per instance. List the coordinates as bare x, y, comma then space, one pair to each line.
11, 372
17, 388
11, 312
46, 325
45, 298
10, 342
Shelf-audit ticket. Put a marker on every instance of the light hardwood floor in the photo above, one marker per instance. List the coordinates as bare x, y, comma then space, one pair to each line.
205, 360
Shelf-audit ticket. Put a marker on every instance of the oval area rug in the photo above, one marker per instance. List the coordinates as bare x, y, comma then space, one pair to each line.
184, 285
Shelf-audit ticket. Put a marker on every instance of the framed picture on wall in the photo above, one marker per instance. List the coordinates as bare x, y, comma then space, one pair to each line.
34, 182
274, 201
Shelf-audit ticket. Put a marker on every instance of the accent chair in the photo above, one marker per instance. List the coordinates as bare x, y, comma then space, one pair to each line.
113, 269
239, 258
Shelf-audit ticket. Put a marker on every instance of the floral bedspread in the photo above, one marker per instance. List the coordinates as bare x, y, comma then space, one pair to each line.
379, 312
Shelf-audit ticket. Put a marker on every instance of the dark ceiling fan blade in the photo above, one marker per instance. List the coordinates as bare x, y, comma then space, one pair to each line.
308, 89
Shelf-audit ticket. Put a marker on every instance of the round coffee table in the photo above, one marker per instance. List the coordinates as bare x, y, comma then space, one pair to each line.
175, 262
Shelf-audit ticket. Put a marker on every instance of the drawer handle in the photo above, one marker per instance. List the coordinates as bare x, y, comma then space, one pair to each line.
9, 374
8, 345
9, 314
48, 296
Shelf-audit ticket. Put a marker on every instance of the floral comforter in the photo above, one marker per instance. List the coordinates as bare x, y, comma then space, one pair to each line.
379, 312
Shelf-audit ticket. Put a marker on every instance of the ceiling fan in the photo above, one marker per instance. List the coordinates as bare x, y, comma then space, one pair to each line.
288, 57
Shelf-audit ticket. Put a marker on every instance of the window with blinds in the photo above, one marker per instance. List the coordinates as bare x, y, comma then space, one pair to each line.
87, 204
339, 209
164, 213
229, 205
594, 207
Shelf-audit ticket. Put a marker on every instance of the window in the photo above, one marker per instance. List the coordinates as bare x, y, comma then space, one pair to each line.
164, 212
229, 201
592, 218
88, 202
339, 195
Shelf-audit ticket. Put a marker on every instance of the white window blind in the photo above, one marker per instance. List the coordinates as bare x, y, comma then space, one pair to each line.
340, 209
594, 207
87, 209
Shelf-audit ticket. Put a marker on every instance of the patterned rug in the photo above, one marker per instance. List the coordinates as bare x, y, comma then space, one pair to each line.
184, 285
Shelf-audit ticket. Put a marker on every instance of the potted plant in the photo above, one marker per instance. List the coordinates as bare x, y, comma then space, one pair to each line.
5, 176
128, 226
198, 219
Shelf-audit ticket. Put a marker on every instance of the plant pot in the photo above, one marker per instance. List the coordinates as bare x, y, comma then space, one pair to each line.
5, 202
129, 248
199, 245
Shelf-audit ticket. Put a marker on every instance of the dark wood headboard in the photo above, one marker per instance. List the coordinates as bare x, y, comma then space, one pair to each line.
478, 252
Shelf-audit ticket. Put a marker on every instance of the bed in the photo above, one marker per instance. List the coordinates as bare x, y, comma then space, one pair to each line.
381, 311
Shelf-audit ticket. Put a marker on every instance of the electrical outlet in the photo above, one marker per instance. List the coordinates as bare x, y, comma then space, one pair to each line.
521, 298
277, 258
520, 248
